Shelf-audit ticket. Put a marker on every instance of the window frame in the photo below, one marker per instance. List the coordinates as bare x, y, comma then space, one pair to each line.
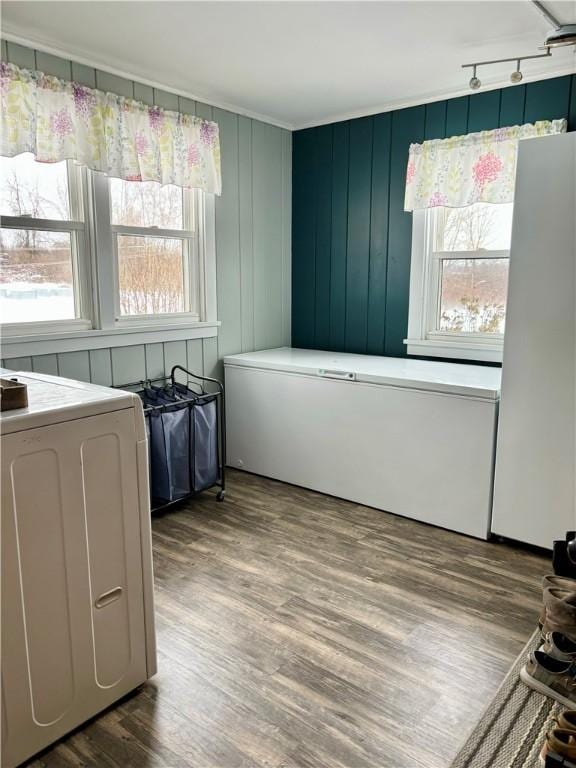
424, 337
193, 274
96, 275
78, 229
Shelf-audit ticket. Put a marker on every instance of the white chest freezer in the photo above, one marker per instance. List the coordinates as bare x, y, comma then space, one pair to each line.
411, 437
77, 610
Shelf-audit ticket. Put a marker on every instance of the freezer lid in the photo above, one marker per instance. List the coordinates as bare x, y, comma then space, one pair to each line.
451, 378
52, 399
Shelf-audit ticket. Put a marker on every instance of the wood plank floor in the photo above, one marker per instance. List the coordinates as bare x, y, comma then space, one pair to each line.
300, 631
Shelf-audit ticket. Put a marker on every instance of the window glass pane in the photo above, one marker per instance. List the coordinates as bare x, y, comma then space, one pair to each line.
36, 279
28, 188
473, 295
479, 227
146, 204
151, 275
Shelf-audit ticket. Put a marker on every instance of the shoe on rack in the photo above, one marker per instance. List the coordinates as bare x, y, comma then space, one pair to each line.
571, 551
559, 647
559, 612
564, 557
566, 720
559, 742
561, 583
558, 582
551, 677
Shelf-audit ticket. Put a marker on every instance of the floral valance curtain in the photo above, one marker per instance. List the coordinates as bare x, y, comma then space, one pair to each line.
57, 120
479, 167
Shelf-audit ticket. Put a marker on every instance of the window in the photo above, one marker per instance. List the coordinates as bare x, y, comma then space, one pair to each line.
82, 252
155, 250
459, 281
42, 242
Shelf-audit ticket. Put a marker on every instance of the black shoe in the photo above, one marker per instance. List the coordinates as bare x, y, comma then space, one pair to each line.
571, 551
564, 557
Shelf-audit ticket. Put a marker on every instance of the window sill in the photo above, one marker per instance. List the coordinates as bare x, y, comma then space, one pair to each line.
72, 341
487, 352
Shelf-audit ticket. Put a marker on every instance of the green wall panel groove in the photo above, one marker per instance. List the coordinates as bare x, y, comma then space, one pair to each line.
484, 112
339, 232
457, 116
323, 237
512, 105
380, 197
435, 123
548, 99
304, 159
359, 192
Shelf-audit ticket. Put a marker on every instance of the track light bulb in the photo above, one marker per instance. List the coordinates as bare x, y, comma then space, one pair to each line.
474, 81
516, 76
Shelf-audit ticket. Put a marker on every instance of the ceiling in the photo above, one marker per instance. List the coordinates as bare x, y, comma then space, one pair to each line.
298, 63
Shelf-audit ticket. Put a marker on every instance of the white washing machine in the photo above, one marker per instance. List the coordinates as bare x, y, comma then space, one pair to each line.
77, 584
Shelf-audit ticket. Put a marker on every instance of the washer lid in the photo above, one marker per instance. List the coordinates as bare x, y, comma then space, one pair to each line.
431, 376
52, 399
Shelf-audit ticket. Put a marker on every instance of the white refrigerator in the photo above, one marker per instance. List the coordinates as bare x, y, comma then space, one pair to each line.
534, 499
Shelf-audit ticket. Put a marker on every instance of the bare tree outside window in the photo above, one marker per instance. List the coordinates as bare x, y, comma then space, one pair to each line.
146, 204
473, 295
473, 289
151, 274
36, 274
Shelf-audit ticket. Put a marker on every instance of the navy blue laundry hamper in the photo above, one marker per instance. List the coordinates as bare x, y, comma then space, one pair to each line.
185, 430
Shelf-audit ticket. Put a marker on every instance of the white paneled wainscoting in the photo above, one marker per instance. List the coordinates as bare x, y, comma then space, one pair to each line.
120, 365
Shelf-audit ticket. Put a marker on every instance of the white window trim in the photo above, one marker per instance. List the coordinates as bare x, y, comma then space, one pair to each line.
97, 282
78, 228
110, 309
424, 279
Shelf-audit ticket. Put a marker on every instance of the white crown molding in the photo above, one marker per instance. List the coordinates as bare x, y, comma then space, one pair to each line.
55, 50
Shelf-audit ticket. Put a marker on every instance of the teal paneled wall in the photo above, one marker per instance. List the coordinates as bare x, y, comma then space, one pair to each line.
351, 239
253, 232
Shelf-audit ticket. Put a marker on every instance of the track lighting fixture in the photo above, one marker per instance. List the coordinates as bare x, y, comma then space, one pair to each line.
515, 77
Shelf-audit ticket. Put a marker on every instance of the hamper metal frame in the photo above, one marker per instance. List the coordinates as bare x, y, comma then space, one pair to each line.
220, 424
